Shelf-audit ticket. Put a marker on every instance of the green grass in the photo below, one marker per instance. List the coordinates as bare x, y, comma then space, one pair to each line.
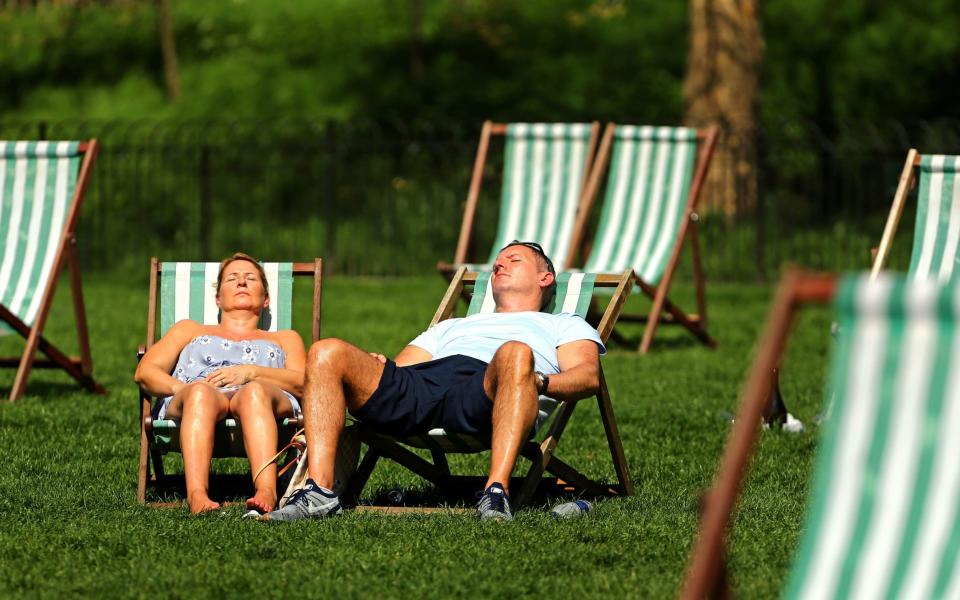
70, 523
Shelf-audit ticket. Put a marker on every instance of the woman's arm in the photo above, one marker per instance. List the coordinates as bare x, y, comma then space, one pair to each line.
153, 372
290, 378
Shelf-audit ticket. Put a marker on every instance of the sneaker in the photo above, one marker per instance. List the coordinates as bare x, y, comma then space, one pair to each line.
494, 504
310, 502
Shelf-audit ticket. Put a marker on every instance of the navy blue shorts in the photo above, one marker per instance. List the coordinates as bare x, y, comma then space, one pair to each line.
447, 392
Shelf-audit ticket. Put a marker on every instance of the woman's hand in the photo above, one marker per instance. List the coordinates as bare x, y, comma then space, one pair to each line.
379, 357
232, 376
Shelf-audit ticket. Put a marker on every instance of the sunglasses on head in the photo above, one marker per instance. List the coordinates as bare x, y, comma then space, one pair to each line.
536, 248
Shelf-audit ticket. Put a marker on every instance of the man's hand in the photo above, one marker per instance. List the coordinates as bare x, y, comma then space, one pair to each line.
230, 376
380, 357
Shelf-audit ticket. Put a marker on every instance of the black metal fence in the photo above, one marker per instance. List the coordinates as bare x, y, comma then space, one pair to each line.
387, 198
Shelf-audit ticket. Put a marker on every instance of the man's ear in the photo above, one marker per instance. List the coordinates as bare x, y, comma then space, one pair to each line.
547, 279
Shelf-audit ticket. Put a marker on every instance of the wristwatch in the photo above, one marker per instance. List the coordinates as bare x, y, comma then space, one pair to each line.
542, 382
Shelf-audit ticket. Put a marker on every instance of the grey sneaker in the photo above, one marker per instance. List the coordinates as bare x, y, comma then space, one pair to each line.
494, 505
310, 502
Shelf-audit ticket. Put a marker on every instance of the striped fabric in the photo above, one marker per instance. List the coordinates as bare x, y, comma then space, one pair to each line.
188, 291
937, 234
883, 518
650, 175
37, 183
543, 177
574, 291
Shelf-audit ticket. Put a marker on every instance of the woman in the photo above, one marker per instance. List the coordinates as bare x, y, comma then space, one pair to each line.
206, 373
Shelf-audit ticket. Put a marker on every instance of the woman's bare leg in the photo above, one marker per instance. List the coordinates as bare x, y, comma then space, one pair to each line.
198, 406
258, 406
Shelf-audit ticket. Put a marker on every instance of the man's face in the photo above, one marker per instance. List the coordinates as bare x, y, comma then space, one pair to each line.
518, 269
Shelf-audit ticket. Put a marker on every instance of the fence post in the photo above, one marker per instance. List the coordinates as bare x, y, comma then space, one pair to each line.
760, 221
205, 225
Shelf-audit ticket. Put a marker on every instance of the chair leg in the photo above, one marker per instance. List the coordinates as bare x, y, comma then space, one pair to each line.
698, 278
143, 472
541, 455
614, 441
361, 476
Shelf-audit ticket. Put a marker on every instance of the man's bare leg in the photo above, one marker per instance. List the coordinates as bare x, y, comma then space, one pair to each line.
339, 376
257, 406
510, 382
198, 406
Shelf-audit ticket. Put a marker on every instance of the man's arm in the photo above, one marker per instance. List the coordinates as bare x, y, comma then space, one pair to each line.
412, 355
579, 374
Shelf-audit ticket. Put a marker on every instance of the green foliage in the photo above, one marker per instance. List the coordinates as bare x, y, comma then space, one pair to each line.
572, 59
70, 524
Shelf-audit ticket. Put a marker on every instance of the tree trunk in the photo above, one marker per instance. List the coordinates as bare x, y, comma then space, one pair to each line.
171, 75
722, 88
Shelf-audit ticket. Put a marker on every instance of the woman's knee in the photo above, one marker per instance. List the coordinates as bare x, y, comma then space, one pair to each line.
252, 395
198, 398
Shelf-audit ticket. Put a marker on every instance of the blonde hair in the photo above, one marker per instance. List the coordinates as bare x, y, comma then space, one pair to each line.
243, 256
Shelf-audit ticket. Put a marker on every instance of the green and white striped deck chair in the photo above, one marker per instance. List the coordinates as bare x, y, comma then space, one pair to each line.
42, 185
883, 518
652, 191
574, 291
544, 172
187, 290
936, 238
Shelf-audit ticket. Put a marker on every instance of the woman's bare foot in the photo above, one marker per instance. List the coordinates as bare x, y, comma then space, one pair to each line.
263, 500
201, 503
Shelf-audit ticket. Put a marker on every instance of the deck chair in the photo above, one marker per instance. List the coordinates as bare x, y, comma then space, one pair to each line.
882, 518
654, 183
574, 292
936, 238
184, 290
42, 185
544, 172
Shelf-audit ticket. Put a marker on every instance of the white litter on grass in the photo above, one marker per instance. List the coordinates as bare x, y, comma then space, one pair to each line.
790, 425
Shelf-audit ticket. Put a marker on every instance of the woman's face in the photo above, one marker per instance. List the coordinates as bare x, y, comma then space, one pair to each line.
241, 287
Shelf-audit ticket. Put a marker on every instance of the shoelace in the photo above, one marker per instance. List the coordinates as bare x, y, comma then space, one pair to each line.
493, 501
296, 495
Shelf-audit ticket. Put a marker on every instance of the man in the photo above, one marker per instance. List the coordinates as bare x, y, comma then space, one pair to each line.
481, 374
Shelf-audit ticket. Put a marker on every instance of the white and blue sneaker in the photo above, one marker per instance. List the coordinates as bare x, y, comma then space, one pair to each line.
494, 505
310, 502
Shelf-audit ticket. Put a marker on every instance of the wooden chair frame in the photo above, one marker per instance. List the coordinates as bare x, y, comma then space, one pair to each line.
542, 454
662, 310
80, 368
908, 178
150, 456
706, 576
464, 242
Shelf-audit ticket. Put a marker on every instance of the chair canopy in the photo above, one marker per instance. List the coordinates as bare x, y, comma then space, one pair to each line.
937, 233
37, 185
883, 516
574, 291
543, 174
651, 172
188, 291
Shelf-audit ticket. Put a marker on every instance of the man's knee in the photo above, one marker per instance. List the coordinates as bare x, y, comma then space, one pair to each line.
326, 354
515, 355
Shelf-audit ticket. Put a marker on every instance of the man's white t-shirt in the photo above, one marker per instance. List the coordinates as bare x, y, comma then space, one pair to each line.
479, 336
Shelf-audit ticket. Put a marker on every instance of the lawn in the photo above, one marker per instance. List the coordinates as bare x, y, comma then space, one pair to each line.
70, 524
